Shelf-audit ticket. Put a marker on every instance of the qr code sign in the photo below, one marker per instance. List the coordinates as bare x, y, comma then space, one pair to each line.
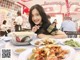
6, 53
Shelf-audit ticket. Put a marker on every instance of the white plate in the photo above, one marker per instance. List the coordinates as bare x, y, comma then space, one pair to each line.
77, 56
41, 42
70, 56
19, 50
34, 41
75, 39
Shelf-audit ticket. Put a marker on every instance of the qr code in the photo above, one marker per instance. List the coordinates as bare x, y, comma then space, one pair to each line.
6, 53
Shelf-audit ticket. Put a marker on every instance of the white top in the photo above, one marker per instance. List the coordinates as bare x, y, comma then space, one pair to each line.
19, 20
68, 25
3, 27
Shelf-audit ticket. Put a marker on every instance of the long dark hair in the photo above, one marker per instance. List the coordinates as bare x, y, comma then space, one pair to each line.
41, 12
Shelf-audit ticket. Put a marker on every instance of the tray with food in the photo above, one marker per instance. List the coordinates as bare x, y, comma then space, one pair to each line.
21, 38
48, 52
39, 42
75, 43
19, 50
21, 42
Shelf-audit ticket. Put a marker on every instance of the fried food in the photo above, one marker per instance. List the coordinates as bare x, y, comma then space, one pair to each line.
48, 52
20, 50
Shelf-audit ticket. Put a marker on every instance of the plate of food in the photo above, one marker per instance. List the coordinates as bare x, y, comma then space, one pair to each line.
75, 43
21, 42
19, 50
48, 52
44, 41
77, 56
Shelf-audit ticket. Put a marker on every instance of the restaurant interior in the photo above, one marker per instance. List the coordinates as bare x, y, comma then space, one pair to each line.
32, 47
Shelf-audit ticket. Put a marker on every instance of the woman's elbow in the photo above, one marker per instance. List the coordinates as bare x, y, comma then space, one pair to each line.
65, 36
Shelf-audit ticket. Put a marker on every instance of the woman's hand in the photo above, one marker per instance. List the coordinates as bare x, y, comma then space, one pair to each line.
35, 28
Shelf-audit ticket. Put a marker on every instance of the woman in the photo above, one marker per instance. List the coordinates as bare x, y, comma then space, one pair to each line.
4, 28
40, 23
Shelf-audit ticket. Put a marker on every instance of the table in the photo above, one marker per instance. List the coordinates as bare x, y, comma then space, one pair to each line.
12, 47
15, 57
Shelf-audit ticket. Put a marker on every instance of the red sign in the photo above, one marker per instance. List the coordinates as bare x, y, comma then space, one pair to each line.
25, 9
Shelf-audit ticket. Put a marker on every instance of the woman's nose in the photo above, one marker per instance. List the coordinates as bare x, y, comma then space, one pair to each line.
35, 18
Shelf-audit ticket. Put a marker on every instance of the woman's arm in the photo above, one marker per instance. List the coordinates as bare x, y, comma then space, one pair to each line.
59, 33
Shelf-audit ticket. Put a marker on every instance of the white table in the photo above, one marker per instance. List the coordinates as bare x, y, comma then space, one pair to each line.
12, 47
15, 57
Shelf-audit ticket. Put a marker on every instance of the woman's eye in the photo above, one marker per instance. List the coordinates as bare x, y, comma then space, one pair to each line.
35, 15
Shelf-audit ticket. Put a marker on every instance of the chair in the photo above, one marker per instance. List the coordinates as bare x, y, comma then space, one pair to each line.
71, 34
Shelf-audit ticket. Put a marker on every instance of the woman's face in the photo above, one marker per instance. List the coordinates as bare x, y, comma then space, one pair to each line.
36, 17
